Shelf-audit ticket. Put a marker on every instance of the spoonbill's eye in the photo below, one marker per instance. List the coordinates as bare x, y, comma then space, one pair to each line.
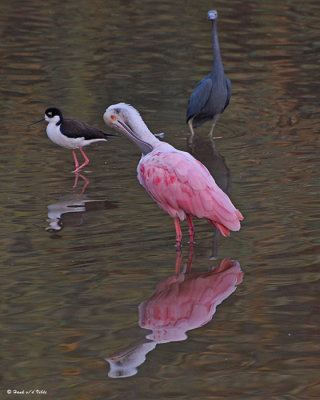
112, 117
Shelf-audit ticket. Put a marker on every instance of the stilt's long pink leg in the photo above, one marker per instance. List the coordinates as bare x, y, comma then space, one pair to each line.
76, 163
178, 232
85, 162
86, 181
191, 230
76, 177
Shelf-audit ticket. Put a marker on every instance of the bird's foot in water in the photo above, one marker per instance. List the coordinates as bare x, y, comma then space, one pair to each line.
77, 170
215, 137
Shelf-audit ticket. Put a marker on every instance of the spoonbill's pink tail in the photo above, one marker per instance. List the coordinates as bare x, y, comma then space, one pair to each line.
239, 215
234, 225
224, 231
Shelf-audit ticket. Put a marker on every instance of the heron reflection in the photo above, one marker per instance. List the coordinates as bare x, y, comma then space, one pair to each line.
182, 302
204, 150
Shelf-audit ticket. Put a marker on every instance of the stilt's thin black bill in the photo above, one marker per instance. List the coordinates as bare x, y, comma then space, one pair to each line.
33, 123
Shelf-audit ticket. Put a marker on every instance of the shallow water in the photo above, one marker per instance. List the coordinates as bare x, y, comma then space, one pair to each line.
80, 265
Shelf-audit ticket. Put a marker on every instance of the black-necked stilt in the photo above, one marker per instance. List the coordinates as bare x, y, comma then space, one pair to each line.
71, 133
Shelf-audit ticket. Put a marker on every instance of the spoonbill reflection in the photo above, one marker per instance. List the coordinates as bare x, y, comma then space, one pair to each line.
180, 303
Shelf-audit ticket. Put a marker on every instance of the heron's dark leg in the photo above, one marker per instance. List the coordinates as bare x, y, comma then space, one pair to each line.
178, 232
190, 123
215, 119
214, 248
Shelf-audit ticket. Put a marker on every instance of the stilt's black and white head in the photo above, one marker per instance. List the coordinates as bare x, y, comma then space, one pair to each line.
212, 15
53, 114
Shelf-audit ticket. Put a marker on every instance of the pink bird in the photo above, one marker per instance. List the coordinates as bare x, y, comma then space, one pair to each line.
178, 183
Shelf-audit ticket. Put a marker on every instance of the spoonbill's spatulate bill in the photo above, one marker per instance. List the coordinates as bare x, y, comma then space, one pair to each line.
71, 133
212, 94
178, 183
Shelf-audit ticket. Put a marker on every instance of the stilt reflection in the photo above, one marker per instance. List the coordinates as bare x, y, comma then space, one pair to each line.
72, 209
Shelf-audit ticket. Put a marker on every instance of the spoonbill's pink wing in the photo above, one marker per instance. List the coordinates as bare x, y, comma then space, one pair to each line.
181, 185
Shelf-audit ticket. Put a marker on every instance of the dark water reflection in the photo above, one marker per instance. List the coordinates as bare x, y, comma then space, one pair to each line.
66, 304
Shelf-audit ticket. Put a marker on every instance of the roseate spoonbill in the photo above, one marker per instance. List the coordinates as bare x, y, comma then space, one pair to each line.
178, 183
71, 133
212, 94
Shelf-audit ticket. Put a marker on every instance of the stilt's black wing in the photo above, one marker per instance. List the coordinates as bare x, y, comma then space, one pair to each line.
73, 128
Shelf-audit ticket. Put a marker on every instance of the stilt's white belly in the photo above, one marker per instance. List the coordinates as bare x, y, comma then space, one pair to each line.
56, 136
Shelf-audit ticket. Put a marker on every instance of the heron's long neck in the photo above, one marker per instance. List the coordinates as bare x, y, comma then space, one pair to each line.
217, 62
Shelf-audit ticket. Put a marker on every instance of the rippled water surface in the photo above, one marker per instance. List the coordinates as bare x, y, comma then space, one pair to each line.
89, 286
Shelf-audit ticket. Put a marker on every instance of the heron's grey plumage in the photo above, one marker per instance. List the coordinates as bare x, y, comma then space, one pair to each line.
212, 94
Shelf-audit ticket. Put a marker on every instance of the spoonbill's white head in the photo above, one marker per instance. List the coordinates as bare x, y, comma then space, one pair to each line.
126, 119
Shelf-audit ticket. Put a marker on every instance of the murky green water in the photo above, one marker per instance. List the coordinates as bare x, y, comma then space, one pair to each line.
84, 272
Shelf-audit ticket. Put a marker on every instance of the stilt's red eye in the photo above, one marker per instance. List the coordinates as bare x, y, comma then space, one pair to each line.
112, 117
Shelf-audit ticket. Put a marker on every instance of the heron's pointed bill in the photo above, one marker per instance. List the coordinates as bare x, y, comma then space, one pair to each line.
36, 122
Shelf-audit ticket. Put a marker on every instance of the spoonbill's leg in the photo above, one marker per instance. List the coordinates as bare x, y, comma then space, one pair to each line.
190, 259
76, 163
178, 232
187, 266
85, 162
191, 230
178, 261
